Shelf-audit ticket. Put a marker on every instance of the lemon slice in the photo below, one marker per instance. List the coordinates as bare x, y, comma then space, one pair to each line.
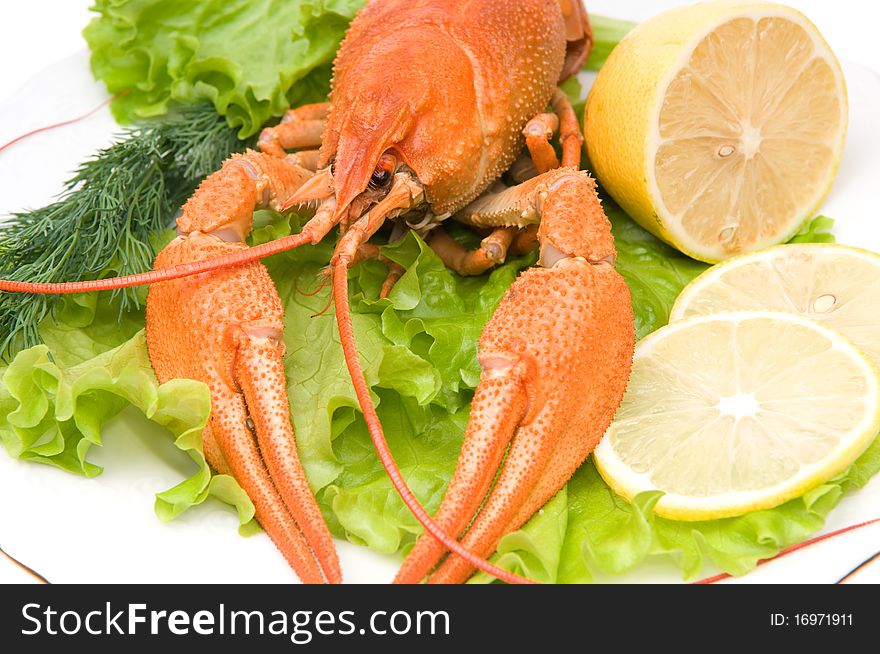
737, 412
836, 285
719, 127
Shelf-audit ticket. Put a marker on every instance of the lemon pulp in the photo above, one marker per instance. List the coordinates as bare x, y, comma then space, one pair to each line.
719, 127
834, 284
737, 412
748, 130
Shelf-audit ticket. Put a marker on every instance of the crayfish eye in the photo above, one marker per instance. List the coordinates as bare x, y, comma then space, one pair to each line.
380, 178
384, 171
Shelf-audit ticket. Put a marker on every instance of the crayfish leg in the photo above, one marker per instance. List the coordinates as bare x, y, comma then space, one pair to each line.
395, 271
570, 135
578, 36
538, 132
540, 129
301, 127
491, 252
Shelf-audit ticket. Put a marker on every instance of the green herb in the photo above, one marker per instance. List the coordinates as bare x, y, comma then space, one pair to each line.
105, 222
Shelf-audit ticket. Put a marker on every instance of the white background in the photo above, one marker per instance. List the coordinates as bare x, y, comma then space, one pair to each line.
37, 33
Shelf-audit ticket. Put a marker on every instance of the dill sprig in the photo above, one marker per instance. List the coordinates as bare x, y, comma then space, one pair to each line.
106, 220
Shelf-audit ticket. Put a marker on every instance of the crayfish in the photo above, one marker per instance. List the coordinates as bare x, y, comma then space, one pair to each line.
432, 100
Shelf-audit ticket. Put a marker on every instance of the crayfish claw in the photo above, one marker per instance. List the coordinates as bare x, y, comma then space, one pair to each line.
224, 328
556, 357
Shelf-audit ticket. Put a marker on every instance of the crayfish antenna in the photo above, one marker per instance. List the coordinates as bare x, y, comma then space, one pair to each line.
312, 233
362, 391
166, 274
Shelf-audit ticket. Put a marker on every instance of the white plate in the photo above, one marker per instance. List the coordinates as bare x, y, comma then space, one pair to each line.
72, 529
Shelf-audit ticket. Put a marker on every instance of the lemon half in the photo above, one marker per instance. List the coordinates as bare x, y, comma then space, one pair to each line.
737, 412
719, 127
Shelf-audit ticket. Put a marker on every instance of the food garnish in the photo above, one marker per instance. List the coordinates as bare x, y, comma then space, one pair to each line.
106, 222
836, 285
736, 412
719, 126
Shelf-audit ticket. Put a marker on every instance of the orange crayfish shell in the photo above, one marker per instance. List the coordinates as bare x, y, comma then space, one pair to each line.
475, 73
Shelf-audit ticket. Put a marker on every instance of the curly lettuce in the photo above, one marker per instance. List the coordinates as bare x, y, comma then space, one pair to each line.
252, 59
54, 415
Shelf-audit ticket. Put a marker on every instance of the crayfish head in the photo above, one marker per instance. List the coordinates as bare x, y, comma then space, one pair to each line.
364, 137
354, 199
389, 182
362, 154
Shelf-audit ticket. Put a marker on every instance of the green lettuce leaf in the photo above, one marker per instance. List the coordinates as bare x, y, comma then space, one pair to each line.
361, 505
89, 324
607, 33
655, 272
253, 59
53, 414
817, 230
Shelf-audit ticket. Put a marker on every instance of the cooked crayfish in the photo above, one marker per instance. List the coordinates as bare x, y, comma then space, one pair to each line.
402, 141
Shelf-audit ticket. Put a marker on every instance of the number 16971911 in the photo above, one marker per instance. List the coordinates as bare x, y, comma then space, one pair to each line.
812, 620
